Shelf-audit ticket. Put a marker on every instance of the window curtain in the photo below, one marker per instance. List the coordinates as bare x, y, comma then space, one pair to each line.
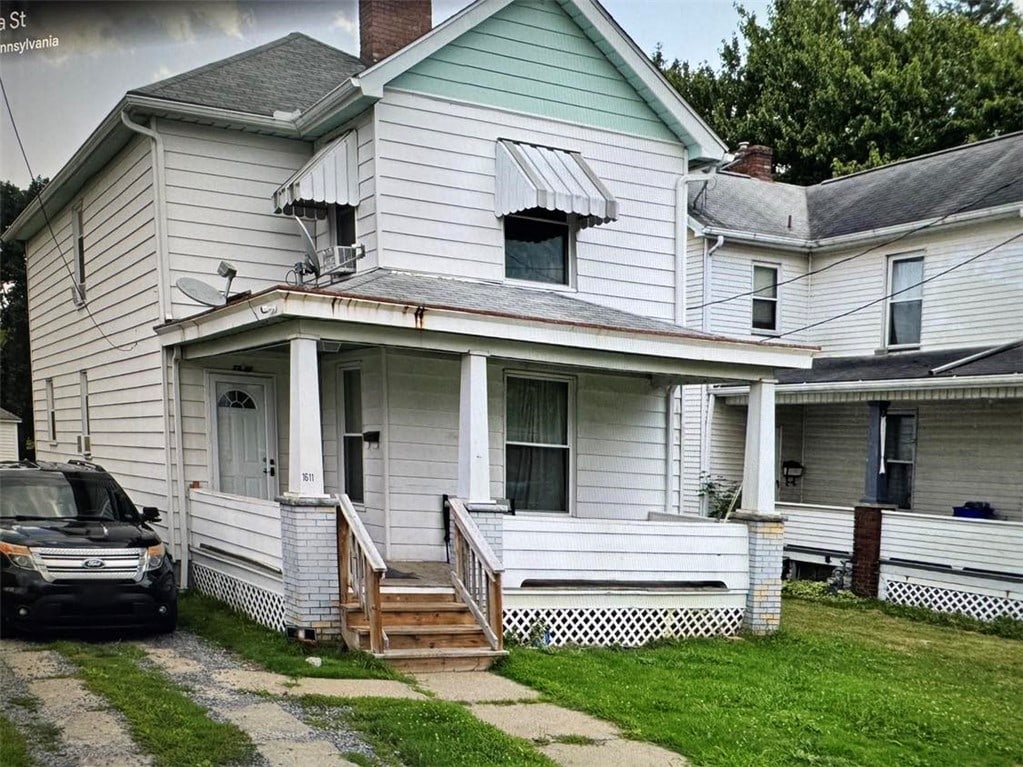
537, 450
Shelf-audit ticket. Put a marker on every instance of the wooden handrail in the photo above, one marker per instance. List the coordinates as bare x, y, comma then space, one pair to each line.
360, 570
476, 573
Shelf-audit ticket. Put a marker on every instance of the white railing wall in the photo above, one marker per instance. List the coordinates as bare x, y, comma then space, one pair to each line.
235, 553
247, 528
821, 534
592, 582
972, 566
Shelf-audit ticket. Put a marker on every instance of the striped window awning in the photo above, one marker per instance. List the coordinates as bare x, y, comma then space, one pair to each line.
331, 177
530, 176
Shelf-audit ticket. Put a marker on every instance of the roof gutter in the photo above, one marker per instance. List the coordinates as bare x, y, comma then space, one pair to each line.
1009, 210
890, 384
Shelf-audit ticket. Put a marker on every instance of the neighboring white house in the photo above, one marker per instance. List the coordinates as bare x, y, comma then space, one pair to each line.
8, 435
908, 277
498, 210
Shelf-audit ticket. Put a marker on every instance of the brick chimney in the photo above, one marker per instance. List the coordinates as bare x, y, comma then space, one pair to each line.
387, 25
754, 161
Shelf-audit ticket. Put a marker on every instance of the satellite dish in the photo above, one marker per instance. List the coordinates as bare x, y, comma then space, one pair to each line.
312, 261
199, 291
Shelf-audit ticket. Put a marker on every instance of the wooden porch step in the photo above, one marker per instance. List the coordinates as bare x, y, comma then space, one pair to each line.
440, 659
415, 614
426, 637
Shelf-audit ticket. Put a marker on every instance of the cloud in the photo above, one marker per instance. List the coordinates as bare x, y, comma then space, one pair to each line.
347, 24
162, 73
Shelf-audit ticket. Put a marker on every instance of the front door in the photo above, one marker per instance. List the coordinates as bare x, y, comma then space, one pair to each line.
245, 459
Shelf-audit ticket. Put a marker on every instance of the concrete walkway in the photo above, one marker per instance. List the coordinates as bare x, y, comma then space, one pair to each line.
568, 737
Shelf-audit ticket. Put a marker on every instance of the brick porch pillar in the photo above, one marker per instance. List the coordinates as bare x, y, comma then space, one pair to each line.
766, 541
309, 561
866, 561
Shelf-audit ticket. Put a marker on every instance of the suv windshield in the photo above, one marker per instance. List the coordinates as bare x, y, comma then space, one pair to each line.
27, 494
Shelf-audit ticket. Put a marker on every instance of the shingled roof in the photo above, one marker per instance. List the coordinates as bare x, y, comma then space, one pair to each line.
972, 177
287, 74
433, 291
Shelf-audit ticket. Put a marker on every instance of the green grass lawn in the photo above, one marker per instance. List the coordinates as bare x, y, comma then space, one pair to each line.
215, 621
836, 688
13, 749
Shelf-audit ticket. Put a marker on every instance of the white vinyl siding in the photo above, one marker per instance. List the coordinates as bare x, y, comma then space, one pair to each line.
973, 305
436, 188
727, 442
731, 286
220, 186
125, 397
8, 441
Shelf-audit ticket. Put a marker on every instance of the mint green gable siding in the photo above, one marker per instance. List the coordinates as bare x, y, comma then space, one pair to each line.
531, 57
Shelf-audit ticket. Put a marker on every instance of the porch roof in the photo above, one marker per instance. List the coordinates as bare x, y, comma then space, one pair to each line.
999, 360
385, 307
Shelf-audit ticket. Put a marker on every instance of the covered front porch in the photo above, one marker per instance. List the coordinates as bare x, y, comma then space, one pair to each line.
386, 409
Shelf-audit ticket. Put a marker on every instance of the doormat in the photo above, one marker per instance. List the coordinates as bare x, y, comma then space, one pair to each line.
394, 574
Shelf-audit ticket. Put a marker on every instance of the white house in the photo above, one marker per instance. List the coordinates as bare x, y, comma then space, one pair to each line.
8, 435
908, 278
457, 274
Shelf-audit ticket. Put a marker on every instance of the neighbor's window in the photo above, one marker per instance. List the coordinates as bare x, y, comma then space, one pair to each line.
78, 238
51, 413
765, 297
900, 455
536, 445
83, 385
537, 246
351, 431
905, 306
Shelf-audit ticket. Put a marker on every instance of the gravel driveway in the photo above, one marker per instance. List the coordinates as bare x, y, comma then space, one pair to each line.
67, 726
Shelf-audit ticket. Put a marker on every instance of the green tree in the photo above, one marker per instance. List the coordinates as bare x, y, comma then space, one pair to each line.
15, 365
835, 87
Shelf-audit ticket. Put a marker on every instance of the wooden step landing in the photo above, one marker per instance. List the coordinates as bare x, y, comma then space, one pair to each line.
449, 659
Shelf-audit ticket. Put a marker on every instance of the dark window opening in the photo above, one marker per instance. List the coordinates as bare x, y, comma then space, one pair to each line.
536, 246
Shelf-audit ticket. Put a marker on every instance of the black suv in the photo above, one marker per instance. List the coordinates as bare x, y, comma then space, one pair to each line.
77, 554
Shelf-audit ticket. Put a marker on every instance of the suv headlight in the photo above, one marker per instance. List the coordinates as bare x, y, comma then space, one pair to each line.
20, 556
154, 556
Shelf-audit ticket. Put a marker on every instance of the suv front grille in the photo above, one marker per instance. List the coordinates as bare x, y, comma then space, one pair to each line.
70, 564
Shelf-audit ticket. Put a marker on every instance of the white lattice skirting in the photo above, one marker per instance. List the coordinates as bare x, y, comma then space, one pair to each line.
980, 606
625, 626
264, 607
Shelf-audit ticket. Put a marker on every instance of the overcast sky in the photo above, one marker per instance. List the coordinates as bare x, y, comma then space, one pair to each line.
100, 50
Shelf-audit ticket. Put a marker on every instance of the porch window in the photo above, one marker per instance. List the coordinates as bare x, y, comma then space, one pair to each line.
537, 447
351, 431
765, 297
900, 455
536, 246
905, 307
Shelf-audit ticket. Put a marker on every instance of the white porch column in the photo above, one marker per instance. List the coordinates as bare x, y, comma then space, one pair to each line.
473, 431
758, 472
305, 445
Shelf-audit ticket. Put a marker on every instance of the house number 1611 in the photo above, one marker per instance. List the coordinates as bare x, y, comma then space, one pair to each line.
307, 477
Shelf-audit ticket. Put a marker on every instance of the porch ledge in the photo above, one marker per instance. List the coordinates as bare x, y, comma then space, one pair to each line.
742, 515
320, 501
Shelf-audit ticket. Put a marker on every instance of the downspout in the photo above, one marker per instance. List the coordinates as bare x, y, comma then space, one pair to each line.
160, 213
671, 410
385, 402
681, 238
163, 300
180, 466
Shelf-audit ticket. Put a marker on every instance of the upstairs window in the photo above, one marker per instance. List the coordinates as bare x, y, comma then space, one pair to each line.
51, 412
537, 244
344, 225
765, 298
545, 196
78, 242
905, 306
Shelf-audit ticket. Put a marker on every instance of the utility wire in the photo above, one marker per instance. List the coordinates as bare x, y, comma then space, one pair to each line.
869, 250
935, 276
49, 226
